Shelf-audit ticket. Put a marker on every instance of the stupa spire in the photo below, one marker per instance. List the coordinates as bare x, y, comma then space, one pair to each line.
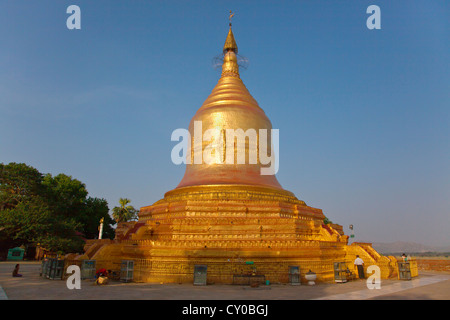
229, 106
230, 66
230, 42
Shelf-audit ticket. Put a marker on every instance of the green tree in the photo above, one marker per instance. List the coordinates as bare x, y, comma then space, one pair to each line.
327, 221
54, 212
31, 221
95, 209
66, 195
124, 213
18, 182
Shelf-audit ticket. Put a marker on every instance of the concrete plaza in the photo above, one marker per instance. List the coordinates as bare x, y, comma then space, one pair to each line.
428, 286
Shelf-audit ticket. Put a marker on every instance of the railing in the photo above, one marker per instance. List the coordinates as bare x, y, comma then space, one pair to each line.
407, 269
52, 268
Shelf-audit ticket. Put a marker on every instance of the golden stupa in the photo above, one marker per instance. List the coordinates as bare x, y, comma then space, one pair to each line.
229, 217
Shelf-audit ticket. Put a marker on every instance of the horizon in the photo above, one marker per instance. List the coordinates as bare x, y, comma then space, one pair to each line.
363, 115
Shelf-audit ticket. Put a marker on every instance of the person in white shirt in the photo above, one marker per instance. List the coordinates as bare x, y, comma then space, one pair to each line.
359, 263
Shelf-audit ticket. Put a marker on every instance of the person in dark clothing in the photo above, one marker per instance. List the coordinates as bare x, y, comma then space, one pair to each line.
16, 271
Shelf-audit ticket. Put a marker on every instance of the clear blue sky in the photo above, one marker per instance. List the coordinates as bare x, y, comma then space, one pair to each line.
364, 115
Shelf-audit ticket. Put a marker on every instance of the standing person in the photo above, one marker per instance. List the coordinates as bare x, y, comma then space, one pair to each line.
16, 271
359, 263
404, 257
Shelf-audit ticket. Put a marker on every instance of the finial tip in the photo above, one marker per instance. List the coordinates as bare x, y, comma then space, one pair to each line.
231, 16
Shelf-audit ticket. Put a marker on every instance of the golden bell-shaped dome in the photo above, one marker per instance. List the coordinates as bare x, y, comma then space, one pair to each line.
229, 106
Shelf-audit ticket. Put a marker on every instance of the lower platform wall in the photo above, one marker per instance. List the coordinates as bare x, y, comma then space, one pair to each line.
146, 270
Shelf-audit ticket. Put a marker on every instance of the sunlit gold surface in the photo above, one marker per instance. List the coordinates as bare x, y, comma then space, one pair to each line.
230, 42
229, 106
222, 215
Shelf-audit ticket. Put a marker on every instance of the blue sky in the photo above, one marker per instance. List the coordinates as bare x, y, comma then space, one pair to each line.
363, 114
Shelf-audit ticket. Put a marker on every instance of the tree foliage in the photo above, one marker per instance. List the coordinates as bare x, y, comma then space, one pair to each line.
54, 212
68, 197
95, 209
65, 194
18, 182
124, 213
33, 222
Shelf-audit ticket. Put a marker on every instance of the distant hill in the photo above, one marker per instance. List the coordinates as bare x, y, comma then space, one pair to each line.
406, 247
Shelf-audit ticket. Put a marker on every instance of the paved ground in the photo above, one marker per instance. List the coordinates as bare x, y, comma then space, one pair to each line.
428, 286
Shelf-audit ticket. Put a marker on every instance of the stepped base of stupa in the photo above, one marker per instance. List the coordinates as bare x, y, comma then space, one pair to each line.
232, 230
